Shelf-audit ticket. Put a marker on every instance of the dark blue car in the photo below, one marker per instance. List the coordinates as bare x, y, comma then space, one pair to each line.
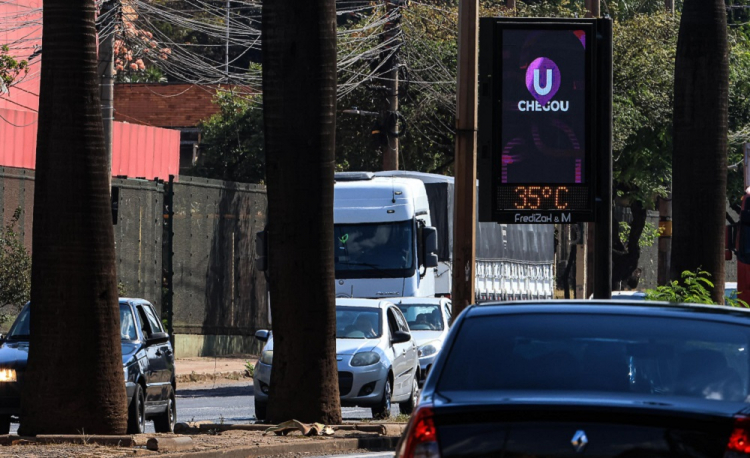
590, 378
147, 359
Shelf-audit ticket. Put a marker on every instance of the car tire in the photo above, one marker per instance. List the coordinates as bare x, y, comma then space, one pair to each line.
260, 410
4, 424
383, 409
407, 407
137, 412
164, 422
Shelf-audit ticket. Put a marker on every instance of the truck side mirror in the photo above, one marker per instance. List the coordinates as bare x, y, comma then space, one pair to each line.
430, 244
261, 251
262, 335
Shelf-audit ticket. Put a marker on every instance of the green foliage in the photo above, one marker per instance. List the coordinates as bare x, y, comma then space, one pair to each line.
694, 289
10, 68
249, 369
648, 237
15, 266
232, 147
122, 290
150, 75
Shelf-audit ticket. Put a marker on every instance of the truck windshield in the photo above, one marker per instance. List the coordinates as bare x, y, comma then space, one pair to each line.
374, 250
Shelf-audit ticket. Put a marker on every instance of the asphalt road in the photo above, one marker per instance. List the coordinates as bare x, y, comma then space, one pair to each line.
227, 403
234, 404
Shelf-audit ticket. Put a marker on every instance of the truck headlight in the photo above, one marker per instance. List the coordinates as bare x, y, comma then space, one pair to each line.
427, 350
366, 358
266, 357
7, 375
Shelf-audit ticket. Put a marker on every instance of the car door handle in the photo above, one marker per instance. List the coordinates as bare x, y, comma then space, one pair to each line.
403, 352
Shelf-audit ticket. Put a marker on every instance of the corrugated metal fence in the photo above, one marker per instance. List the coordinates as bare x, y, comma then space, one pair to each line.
219, 299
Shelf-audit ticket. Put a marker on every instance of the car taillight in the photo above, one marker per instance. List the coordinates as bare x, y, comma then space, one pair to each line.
420, 438
739, 440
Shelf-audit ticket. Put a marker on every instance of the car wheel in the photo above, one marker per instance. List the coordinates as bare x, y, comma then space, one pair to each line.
383, 409
4, 424
164, 422
260, 410
407, 407
137, 412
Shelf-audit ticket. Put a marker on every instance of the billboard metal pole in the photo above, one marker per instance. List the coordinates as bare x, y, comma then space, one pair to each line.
603, 237
464, 210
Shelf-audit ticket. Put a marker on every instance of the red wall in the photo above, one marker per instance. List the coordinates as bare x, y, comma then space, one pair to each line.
137, 151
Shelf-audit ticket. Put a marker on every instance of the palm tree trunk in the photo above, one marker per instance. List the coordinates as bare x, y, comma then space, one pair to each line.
299, 98
74, 381
700, 142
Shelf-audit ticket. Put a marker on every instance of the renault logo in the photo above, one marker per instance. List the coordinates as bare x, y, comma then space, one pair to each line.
579, 440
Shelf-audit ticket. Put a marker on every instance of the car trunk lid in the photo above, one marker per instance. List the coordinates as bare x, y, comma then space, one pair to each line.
531, 430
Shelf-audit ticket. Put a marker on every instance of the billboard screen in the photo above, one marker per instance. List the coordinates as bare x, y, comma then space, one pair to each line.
541, 120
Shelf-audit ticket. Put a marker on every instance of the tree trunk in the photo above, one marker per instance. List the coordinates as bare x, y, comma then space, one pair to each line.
74, 381
626, 256
700, 142
299, 97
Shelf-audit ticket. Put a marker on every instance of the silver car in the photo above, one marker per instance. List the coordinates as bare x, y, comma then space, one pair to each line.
429, 319
377, 359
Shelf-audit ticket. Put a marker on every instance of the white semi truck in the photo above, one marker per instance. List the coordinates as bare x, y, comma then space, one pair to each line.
393, 234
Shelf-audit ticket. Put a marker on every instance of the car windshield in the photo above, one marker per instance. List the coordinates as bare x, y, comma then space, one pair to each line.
422, 317
20, 328
358, 323
374, 250
658, 356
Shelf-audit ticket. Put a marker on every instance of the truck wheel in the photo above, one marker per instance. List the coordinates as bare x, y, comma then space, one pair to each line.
383, 409
407, 407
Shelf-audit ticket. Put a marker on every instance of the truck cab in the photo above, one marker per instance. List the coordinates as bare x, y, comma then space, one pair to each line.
384, 242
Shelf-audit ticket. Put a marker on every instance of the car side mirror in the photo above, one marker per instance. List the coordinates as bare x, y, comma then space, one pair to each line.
262, 335
400, 337
157, 338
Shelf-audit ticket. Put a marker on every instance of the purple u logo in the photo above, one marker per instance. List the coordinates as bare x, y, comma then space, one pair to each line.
543, 79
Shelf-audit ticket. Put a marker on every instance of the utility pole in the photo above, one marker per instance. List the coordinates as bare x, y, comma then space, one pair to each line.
389, 145
669, 6
665, 240
465, 200
593, 8
510, 4
106, 69
226, 50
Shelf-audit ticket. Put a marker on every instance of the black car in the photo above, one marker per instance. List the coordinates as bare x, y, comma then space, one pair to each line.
147, 359
594, 378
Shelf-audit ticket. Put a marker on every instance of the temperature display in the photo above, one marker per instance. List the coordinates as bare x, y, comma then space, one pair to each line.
551, 197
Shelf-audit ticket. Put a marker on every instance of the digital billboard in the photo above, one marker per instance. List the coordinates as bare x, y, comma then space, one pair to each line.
536, 121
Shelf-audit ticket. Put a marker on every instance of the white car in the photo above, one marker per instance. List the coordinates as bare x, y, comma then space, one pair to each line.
429, 319
376, 355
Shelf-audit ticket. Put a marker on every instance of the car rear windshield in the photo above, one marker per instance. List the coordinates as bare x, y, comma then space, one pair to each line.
600, 353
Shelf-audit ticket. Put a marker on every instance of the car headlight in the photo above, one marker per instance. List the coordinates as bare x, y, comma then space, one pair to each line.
427, 350
7, 375
266, 357
366, 358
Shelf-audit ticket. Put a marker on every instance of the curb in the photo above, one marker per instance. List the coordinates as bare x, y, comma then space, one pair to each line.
324, 446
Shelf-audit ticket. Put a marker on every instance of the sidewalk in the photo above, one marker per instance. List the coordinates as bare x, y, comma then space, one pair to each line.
210, 368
